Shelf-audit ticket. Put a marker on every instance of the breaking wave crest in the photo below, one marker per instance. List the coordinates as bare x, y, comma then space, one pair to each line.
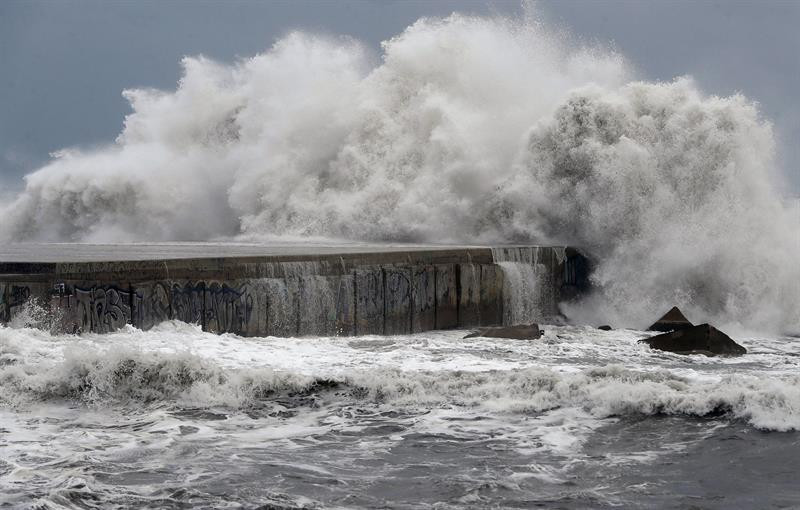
468, 130
125, 376
129, 375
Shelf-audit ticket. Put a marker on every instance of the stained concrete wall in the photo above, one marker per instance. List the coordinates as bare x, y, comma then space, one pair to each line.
350, 294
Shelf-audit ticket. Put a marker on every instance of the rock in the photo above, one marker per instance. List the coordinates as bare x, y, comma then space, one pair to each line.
516, 332
605, 327
671, 321
702, 339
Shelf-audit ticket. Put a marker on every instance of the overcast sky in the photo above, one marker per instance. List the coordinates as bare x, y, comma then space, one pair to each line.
63, 65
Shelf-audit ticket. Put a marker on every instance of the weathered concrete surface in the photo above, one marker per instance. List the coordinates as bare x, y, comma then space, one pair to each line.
491, 295
370, 303
446, 296
423, 315
469, 292
280, 291
83, 252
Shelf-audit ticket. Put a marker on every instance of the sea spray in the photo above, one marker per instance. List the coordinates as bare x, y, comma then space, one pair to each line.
469, 129
33, 314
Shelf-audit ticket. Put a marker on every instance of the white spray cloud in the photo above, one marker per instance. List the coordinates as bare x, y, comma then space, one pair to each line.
468, 130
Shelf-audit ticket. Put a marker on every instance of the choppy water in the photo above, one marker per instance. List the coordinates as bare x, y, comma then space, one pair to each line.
178, 418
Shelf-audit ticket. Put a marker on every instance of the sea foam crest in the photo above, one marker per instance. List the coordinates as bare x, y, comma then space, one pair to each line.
469, 130
125, 375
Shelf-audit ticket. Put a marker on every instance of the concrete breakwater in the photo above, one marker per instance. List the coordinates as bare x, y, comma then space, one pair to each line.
290, 291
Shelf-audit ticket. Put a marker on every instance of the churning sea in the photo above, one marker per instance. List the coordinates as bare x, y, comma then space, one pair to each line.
582, 418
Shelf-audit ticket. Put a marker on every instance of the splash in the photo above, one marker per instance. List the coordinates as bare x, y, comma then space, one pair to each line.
33, 313
468, 129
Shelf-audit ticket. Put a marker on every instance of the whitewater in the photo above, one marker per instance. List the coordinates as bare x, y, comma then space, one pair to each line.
470, 130
175, 417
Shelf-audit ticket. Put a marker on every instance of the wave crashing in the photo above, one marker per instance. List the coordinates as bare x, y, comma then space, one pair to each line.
468, 129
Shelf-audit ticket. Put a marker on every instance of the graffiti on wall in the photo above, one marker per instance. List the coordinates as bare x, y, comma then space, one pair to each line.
228, 310
215, 306
151, 305
101, 309
187, 302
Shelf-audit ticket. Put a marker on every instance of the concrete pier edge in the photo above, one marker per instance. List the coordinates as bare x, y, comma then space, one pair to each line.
349, 293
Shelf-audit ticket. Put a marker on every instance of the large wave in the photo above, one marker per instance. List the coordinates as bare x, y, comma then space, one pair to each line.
468, 129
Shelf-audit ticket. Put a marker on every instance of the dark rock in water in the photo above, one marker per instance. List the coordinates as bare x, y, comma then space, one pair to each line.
702, 339
516, 332
605, 327
671, 321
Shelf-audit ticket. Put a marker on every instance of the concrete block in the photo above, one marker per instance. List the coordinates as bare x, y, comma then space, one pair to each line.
283, 297
151, 304
99, 308
327, 305
423, 297
345, 306
256, 324
317, 303
369, 301
187, 301
491, 295
446, 296
469, 281
229, 307
397, 292
261, 308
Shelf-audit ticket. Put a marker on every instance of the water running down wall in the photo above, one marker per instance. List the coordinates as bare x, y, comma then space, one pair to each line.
354, 294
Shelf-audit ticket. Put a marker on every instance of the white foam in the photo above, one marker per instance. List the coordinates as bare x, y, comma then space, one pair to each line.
467, 129
600, 374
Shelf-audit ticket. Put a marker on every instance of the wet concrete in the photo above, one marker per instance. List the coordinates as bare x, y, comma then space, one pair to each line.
280, 289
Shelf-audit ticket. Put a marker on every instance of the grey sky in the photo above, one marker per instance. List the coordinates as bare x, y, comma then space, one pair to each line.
63, 65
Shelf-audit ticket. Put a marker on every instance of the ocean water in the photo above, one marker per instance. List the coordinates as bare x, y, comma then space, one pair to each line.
476, 130
581, 418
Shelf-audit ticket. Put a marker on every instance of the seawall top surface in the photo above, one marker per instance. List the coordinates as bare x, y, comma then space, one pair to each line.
44, 253
135, 261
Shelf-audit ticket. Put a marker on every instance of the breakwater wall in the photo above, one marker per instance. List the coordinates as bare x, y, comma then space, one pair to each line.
352, 293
